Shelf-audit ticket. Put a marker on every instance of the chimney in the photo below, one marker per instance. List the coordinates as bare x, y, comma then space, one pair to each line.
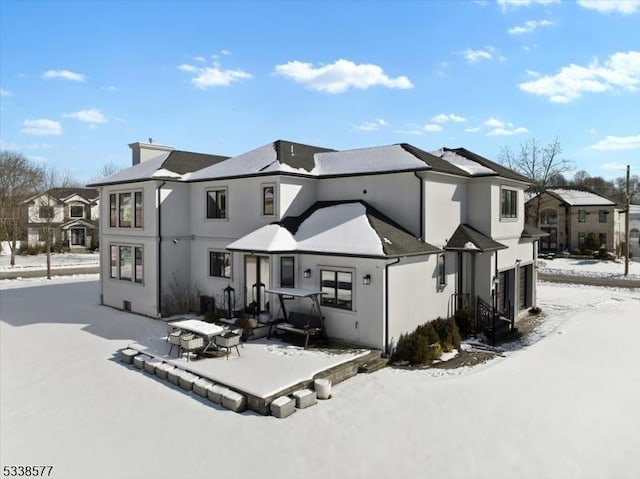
145, 151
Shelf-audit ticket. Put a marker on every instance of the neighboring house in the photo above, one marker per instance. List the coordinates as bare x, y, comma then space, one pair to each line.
69, 215
571, 215
634, 230
393, 236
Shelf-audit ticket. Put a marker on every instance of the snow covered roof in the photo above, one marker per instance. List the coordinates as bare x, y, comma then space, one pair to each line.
174, 165
277, 157
466, 238
343, 228
476, 165
366, 160
579, 197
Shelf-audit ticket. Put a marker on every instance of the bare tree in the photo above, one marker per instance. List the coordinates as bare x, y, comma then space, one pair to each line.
19, 179
105, 170
540, 163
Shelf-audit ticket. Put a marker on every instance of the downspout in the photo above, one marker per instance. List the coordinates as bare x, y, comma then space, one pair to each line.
159, 222
386, 304
422, 234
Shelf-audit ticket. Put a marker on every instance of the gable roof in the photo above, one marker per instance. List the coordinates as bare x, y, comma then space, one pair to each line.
61, 194
477, 165
173, 164
579, 197
467, 238
351, 228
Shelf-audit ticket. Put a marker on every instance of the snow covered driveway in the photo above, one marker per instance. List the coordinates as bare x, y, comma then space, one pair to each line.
567, 406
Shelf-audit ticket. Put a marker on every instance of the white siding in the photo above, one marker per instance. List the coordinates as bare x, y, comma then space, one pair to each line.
445, 208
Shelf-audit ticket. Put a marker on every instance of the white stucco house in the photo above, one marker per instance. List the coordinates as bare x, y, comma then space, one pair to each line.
393, 236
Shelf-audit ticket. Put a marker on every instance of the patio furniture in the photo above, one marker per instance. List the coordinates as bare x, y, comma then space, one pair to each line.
282, 407
227, 341
304, 398
300, 323
174, 339
201, 328
170, 329
191, 344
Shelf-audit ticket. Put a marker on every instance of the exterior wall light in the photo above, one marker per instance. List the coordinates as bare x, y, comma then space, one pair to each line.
307, 273
366, 279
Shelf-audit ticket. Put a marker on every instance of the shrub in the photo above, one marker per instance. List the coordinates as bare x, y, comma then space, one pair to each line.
588, 252
575, 252
412, 348
534, 310
465, 320
603, 254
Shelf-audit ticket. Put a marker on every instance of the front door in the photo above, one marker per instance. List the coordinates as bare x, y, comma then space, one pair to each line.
256, 282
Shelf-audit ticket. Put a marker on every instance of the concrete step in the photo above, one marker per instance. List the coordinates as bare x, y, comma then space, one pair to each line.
373, 365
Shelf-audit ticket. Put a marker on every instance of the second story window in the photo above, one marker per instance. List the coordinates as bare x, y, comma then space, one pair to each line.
548, 217
268, 200
76, 211
582, 216
508, 203
125, 210
45, 212
602, 216
217, 203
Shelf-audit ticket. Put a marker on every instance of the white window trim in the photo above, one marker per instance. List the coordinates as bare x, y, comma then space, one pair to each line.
340, 269
72, 205
209, 275
117, 278
117, 194
275, 203
206, 203
509, 219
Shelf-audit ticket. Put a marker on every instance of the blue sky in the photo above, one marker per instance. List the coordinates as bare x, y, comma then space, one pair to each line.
81, 80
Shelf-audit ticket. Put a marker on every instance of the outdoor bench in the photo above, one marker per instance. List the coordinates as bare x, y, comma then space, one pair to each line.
303, 324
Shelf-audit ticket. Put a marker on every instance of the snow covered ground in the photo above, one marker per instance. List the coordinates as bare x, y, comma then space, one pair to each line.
566, 406
589, 267
58, 260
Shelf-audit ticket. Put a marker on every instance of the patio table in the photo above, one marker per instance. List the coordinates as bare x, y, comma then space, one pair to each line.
201, 328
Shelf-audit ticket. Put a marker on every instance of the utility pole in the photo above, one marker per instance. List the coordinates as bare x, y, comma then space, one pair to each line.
626, 228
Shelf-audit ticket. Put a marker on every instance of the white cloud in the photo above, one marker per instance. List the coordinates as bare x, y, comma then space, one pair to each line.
618, 143
621, 70
614, 166
502, 128
371, 125
225, 52
529, 27
87, 116
199, 59
432, 127
4, 92
608, 6
339, 76
206, 77
41, 127
513, 4
64, 75
533, 73
473, 56
473, 129
110, 88
444, 118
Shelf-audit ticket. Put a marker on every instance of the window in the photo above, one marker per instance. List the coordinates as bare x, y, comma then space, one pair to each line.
287, 275
548, 217
219, 264
442, 272
45, 212
267, 200
124, 211
603, 240
76, 211
582, 239
113, 210
602, 216
42, 234
138, 209
508, 203
336, 289
77, 236
124, 214
217, 204
582, 216
127, 263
